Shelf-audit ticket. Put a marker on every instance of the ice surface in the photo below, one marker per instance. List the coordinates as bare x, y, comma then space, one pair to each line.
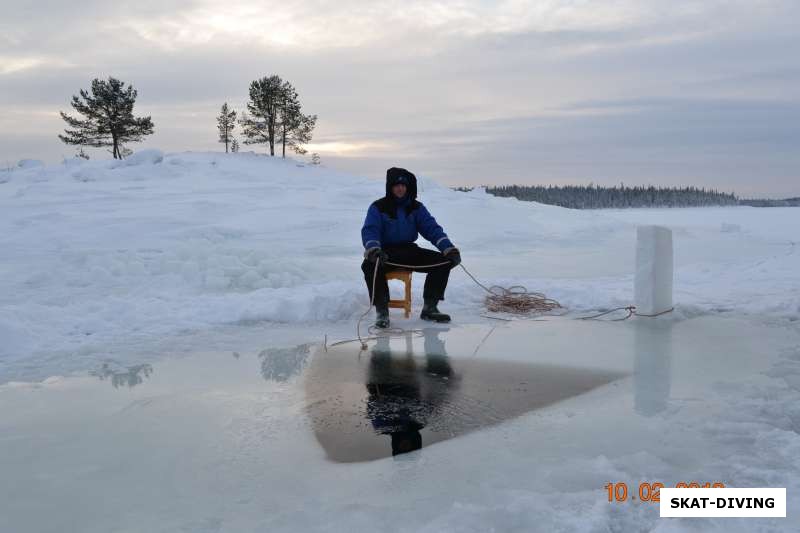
654, 263
228, 442
118, 276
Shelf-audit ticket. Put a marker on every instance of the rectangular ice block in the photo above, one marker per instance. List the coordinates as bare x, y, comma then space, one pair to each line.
653, 280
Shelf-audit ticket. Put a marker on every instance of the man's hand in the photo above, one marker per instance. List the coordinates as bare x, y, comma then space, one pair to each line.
375, 253
453, 255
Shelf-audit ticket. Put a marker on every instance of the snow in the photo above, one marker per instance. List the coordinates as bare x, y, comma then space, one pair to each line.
654, 263
174, 260
99, 257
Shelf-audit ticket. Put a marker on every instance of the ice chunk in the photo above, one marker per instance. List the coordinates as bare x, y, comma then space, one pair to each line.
653, 281
30, 163
143, 157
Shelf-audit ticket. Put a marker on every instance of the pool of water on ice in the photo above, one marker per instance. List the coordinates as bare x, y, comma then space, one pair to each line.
213, 430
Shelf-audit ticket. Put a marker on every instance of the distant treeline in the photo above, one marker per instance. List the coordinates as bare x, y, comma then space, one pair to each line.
787, 202
595, 197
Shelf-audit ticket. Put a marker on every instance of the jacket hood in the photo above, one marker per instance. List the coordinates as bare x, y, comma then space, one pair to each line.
397, 175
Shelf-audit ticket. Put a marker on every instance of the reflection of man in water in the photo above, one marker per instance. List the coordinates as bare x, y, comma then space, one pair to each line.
402, 395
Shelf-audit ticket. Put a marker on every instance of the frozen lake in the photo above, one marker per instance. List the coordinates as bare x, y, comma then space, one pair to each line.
466, 428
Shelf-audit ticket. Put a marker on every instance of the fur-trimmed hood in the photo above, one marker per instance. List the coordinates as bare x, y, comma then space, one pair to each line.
397, 175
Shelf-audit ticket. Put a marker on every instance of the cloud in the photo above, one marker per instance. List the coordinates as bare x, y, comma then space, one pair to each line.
14, 64
744, 145
322, 25
467, 89
9, 65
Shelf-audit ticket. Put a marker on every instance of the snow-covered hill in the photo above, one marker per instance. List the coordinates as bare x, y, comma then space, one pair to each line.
100, 257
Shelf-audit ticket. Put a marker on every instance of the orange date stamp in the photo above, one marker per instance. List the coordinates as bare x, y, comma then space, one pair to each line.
651, 492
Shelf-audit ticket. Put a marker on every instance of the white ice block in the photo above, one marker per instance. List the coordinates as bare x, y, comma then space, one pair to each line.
653, 280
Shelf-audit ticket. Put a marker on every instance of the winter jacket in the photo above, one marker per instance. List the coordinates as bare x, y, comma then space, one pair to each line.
392, 221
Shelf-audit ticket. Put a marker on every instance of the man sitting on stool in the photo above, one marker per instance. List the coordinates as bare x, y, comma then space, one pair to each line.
392, 225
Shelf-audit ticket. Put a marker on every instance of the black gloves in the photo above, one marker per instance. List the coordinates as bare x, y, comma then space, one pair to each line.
375, 253
453, 255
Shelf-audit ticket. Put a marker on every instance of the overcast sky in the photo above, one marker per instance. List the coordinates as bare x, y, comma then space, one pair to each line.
469, 92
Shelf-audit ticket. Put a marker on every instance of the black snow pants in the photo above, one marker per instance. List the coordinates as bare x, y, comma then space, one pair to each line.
409, 254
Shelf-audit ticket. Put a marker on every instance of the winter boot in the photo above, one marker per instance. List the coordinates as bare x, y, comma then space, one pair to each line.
382, 315
431, 312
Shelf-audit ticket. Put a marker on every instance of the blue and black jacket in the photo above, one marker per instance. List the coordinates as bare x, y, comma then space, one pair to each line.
391, 221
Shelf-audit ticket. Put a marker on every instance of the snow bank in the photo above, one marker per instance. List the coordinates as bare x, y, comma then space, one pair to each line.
105, 254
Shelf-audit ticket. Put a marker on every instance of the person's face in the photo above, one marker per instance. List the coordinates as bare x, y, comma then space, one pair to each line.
399, 190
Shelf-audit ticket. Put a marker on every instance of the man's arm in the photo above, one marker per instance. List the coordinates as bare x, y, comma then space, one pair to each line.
431, 230
371, 230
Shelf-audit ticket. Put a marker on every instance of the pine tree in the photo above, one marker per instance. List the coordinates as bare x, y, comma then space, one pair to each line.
226, 122
234, 146
298, 132
294, 128
260, 125
108, 117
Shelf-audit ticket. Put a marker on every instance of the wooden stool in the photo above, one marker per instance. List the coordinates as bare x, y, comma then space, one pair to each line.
405, 277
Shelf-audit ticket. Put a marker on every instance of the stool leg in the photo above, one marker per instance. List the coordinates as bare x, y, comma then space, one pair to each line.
408, 298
